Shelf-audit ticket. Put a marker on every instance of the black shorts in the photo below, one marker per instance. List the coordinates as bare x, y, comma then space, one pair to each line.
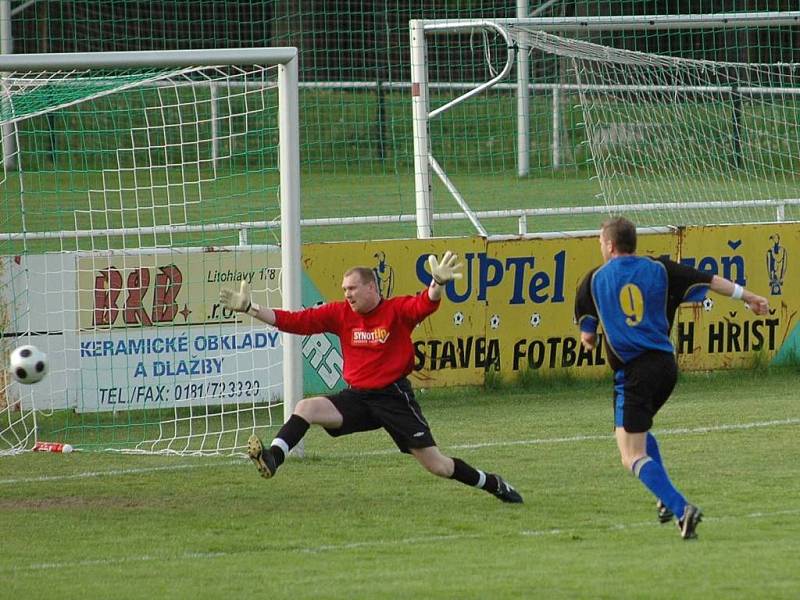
641, 387
393, 408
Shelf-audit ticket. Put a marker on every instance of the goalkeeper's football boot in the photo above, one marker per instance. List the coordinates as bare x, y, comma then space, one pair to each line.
692, 516
263, 459
664, 513
506, 492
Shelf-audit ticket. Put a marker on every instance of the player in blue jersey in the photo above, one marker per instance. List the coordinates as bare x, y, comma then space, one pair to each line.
634, 298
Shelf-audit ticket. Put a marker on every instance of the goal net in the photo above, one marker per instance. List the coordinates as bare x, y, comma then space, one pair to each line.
134, 186
681, 141
667, 140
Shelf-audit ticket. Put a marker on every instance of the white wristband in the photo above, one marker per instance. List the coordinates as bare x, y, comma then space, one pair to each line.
738, 292
254, 309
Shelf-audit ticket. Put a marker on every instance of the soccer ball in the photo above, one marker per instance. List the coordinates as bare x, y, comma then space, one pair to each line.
536, 320
458, 318
28, 364
494, 321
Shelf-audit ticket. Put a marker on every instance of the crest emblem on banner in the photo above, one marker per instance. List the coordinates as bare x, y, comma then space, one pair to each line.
776, 265
384, 274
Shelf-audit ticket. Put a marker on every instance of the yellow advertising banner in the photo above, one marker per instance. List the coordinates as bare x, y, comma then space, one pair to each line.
451, 346
532, 308
513, 310
722, 333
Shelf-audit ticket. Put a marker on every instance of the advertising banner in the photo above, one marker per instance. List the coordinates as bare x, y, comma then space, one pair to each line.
722, 333
451, 346
144, 329
152, 334
532, 306
514, 308
37, 306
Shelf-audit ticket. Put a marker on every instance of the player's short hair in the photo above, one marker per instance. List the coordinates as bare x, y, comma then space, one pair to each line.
622, 232
366, 274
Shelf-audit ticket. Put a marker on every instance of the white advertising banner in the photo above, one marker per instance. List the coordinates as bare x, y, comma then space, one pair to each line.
37, 306
152, 333
142, 329
166, 367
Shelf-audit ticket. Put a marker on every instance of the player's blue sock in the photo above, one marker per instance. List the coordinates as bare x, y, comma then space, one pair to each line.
653, 475
652, 449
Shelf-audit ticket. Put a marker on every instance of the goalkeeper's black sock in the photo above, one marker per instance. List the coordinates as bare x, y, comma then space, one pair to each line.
466, 474
288, 437
471, 476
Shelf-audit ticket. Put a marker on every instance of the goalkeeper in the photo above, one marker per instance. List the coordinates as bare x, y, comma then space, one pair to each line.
375, 335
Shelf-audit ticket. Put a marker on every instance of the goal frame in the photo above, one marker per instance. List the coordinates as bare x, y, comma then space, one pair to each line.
425, 164
286, 60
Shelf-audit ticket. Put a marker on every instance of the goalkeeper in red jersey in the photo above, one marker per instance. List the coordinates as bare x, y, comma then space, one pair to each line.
375, 335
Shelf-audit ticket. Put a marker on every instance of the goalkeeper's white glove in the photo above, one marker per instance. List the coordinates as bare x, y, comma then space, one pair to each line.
238, 301
447, 270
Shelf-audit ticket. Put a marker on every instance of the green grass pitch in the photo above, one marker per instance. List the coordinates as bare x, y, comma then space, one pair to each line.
356, 519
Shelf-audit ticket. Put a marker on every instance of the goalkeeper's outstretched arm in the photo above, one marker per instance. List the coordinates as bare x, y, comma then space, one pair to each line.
241, 302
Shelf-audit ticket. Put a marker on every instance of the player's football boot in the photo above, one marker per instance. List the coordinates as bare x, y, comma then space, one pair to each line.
664, 513
691, 519
264, 461
506, 492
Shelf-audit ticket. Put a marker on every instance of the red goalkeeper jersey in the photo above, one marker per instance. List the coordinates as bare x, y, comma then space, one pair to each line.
376, 346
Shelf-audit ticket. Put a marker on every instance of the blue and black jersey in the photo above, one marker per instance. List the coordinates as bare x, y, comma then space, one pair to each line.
635, 299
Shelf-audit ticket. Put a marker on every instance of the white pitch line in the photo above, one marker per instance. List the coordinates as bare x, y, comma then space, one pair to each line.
532, 442
594, 438
433, 539
681, 431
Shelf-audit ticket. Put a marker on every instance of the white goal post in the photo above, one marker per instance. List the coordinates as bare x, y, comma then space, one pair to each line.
597, 81
124, 211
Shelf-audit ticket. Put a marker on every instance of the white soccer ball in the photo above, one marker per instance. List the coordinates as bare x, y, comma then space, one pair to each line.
28, 364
